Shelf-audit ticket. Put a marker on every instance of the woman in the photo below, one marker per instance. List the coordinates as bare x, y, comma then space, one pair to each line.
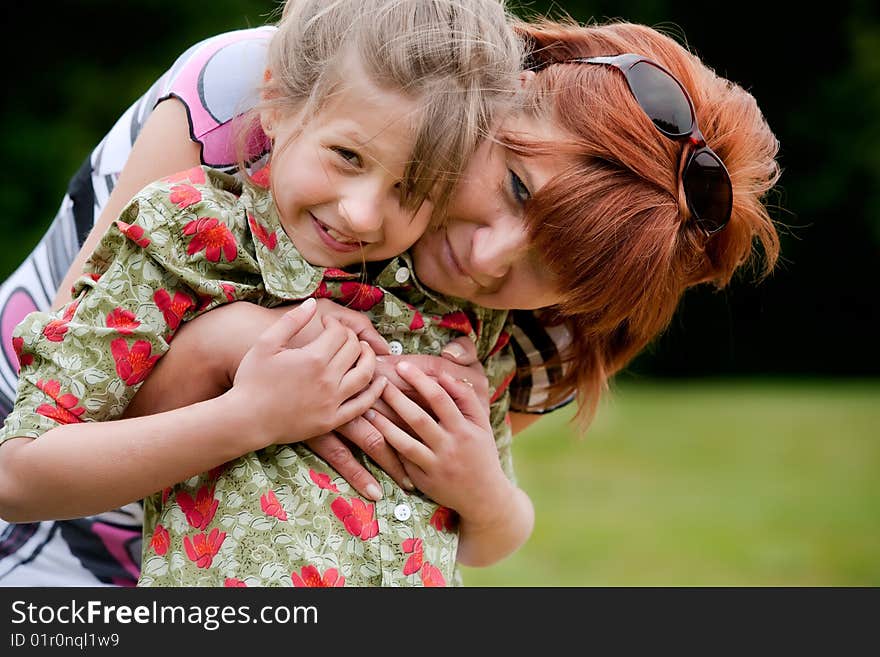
627, 208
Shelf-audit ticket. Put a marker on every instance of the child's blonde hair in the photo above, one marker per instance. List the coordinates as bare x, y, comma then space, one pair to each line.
460, 59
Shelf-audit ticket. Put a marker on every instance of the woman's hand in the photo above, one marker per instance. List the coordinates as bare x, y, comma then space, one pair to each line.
459, 361
453, 459
295, 393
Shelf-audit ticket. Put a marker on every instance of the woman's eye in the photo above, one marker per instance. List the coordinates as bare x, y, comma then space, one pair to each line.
349, 156
520, 192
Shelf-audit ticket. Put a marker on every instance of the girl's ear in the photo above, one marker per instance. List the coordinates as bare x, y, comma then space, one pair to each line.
268, 122
268, 116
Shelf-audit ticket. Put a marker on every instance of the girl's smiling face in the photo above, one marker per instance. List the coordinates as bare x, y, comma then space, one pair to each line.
483, 252
336, 180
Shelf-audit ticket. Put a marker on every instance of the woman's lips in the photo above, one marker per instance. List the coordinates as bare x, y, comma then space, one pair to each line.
330, 242
452, 263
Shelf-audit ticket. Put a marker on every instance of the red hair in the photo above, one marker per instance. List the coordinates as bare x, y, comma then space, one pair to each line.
614, 226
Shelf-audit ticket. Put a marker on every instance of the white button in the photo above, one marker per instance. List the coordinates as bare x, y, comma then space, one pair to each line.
395, 347
402, 512
401, 275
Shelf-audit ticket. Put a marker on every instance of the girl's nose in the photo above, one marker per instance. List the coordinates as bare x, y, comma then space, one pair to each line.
362, 212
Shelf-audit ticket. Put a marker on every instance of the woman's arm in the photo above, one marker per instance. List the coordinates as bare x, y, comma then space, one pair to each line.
454, 460
163, 147
84, 468
522, 421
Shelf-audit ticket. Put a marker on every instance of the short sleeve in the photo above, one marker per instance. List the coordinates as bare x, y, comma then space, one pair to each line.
218, 80
86, 361
538, 350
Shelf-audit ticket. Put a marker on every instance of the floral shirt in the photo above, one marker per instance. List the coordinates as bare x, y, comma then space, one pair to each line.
280, 516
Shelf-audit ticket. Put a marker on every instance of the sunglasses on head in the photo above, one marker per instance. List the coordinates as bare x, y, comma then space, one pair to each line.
707, 185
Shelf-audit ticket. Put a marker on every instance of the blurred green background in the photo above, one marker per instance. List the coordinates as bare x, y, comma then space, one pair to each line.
742, 447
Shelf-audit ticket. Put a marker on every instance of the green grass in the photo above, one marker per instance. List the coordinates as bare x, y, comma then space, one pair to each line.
704, 484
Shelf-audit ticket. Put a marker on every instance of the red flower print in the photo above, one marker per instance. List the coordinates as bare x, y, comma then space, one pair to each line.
65, 410
204, 547
413, 547
173, 309
161, 540
431, 575
212, 236
333, 274
229, 291
122, 320
309, 577
23, 359
133, 366
322, 480
417, 321
360, 296
200, 511
166, 493
323, 292
261, 177
357, 517
54, 331
214, 473
232, 582
195, 175
269, 241
456, 321
503, 339
271, 506
184, 196
502, 387
134, 233
444, 519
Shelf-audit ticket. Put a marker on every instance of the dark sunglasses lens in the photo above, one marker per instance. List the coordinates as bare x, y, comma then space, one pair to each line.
708, 190
662, 99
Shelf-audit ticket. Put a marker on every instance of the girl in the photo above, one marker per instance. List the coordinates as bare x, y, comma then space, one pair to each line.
383, 112
614, 204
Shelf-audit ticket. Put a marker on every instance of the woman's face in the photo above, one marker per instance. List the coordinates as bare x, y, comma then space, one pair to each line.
483, 253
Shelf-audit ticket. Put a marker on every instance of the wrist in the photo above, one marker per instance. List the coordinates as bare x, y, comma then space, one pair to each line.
239, 420
490, 509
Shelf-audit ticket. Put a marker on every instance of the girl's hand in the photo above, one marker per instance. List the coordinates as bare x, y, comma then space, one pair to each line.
295, 393
453, 459
459, 361
353, 319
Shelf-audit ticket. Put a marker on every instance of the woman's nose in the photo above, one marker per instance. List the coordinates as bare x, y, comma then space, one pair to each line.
495, 248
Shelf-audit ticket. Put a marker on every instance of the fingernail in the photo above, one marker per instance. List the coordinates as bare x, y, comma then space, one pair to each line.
374, 492
369, 414
308, 303
454, 349
403, 366
409, 485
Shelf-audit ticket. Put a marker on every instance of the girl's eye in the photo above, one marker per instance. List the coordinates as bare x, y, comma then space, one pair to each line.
349, 156
520, 192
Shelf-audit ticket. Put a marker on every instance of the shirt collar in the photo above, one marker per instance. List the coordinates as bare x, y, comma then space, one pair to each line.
399, 276
286, 274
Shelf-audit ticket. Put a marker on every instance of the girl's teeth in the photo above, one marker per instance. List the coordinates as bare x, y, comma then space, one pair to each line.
339, 237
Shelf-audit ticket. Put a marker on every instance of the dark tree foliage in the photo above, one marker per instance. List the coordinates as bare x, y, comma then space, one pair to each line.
74, 67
